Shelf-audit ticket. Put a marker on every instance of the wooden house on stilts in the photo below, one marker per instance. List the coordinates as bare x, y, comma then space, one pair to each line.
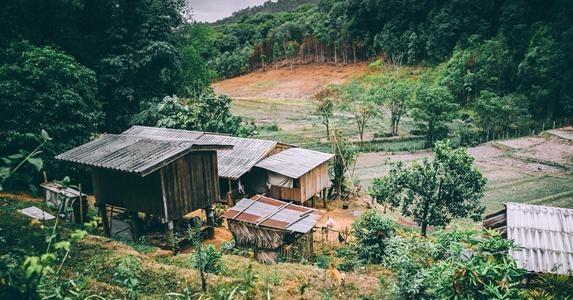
166, 178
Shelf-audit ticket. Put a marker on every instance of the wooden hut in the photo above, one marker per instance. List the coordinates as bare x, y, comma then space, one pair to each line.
275, 230
296, 174
165, 178
543, 234
235, 166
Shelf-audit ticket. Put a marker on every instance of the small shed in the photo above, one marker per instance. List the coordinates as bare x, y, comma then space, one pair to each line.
296, 174
544, 235
55, 193
165, 178
275, 230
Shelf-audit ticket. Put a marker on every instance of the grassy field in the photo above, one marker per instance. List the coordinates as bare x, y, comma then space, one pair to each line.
509, 178
297, 124
526, 170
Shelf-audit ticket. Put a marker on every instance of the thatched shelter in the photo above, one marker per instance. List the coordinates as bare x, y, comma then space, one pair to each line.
275, 230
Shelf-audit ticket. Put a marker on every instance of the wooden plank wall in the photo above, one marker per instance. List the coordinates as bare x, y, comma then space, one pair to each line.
285, 193
314, 181
190, 183
132, 192
310, 184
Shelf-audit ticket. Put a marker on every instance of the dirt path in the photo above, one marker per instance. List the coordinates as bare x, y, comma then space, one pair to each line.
302, 82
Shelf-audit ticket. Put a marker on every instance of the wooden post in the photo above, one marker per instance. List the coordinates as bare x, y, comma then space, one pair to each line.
230, 194
210, 222
81, 204
170, 235
104, 220
136, 226
324, 200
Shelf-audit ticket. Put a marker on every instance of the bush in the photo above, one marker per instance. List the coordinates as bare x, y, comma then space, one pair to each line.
204, 112
372, 230
209, 259
43, 88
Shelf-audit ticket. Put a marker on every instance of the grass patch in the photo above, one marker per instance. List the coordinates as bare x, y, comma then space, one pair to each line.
528, 191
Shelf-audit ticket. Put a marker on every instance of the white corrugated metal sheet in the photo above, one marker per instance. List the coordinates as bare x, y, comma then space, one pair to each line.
232, 163
545, 235
294, 162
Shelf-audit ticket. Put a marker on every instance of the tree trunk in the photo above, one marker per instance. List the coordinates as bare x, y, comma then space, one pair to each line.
203, 280
327, 130
354, 52
335, 57
424, 224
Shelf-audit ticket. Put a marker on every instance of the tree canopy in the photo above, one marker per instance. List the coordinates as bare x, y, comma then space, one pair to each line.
433, 192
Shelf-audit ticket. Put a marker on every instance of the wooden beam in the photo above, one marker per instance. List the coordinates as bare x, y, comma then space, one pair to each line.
104, 220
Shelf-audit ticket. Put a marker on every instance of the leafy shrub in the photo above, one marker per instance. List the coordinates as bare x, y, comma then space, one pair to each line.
127, 274
372, 230
209, 259
43, 88
270, 127
203, 112
350, 259
323, 261
20, 169
488, 273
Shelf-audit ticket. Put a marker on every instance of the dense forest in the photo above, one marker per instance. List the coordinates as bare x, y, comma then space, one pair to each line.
267, 7
507, 47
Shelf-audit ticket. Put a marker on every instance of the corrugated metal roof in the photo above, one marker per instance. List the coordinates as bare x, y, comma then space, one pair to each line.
132, 154
245, 154
272, 213
232, 163
166, 133
545, 234
294, 162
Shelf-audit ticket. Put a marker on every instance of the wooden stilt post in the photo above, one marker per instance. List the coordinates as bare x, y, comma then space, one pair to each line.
136, 226
230, 194
81, 204
324, 198
104, 220
210, 221
170, 235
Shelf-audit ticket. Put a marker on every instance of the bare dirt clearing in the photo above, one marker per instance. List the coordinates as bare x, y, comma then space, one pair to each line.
302, 82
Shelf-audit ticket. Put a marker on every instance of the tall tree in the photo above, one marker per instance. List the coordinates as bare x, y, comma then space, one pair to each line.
324, 107
433, 192
395, 95
358, 101
291, 53
541, 73
433, 108
276, 54
45, 89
